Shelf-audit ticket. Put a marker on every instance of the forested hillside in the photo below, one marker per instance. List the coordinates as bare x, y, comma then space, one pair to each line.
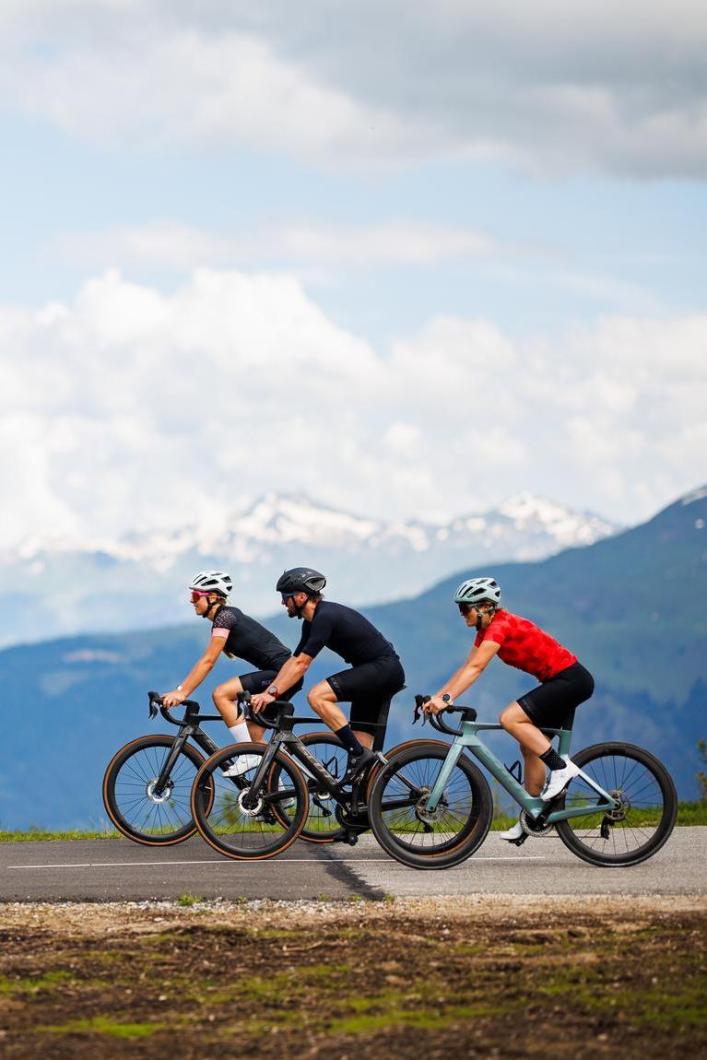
631, 607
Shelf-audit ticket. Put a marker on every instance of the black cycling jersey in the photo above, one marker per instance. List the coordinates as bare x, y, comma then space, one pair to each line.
250, 641
345, 632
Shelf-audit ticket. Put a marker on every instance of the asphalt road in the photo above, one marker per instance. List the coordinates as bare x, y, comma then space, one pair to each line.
116, 869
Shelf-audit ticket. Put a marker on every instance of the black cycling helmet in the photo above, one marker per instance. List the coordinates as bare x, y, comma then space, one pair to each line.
300, 580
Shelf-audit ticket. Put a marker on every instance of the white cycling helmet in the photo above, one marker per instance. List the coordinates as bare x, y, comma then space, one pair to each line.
212, 581
477, 590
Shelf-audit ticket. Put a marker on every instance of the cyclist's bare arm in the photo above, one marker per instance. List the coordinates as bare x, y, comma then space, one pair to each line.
478, 660
197, 674
291, 672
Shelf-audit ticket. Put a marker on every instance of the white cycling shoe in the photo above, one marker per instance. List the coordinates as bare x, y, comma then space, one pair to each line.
241, 765
513, 833
558, 780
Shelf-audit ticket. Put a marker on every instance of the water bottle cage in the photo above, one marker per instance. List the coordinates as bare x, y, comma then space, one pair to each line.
516, 771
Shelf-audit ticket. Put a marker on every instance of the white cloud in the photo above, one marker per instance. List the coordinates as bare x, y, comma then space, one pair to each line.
133, 408
595, 87
175, 246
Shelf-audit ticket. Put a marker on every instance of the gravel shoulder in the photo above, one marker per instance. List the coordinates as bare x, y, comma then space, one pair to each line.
504, 975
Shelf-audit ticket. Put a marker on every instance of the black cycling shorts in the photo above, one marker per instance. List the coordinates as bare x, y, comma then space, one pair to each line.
552, 703
260, 680
369, 688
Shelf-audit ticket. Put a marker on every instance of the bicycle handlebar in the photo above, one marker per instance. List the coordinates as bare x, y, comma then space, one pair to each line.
156, 704
280, 708
437, 721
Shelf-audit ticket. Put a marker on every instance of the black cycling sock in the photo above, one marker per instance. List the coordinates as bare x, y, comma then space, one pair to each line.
345, 734
552, 760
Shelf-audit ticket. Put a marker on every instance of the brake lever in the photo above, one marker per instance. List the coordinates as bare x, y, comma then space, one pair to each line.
418, 711
153, 698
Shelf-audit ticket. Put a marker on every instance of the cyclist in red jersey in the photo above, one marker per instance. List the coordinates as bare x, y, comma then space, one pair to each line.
564, 684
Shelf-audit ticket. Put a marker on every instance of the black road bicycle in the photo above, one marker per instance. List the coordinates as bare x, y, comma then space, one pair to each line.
148, 782
289, 792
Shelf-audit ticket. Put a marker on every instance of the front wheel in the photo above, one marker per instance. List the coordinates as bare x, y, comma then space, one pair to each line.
145, 805
243, 823
644, 818
398, 813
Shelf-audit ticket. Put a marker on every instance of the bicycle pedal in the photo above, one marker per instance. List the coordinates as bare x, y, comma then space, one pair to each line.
350, 838
519, 841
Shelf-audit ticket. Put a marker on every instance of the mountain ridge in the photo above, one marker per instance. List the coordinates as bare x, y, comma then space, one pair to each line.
102, 584
629, 606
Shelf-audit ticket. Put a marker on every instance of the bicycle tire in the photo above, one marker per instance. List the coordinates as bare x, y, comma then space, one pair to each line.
131, 806
249, 834
637, 777
459, 831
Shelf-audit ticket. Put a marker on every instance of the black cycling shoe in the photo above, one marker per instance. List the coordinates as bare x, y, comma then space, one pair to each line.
357, 765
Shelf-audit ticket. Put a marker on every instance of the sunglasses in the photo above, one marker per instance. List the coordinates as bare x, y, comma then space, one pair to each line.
196, 594
464, 609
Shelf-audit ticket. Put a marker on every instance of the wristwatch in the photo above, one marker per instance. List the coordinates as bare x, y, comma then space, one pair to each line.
272, 691
446, 698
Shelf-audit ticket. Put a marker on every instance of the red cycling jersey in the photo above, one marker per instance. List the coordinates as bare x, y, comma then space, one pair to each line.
526, 646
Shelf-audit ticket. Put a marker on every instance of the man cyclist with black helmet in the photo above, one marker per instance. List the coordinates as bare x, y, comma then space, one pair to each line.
369, 685
238, 636
564, 684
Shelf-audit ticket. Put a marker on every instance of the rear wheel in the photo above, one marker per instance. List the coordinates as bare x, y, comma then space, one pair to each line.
136, 804
242, 824
407, 830
644, 818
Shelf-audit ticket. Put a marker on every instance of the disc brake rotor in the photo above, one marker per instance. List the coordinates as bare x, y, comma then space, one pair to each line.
164, 795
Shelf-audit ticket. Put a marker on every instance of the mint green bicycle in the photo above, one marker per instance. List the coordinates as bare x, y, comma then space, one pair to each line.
431, 806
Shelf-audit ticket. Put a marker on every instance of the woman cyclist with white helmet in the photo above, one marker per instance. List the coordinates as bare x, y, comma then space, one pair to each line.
564, 684
238, 636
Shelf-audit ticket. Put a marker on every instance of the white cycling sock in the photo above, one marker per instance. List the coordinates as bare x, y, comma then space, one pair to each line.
239, 732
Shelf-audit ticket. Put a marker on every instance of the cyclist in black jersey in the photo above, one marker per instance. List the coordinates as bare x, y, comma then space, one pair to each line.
375, 675
238, 636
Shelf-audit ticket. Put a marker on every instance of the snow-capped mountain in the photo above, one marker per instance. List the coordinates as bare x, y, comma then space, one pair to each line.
138, 580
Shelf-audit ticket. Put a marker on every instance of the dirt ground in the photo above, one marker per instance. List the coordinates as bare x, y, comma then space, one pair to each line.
480, 976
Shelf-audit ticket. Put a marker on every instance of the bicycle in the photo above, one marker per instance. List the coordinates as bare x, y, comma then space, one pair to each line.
273, 807
430, 806
147, 784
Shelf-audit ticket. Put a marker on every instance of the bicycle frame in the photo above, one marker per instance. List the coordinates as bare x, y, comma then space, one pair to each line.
533, 805
284, 734
189, 726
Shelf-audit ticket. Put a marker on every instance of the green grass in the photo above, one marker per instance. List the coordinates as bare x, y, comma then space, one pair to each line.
692, 813
689, 813
105, 1025
41, 834
189, 899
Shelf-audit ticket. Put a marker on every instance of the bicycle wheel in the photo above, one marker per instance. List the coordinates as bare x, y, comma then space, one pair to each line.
644, 819
132, 802
242, 827
400, 821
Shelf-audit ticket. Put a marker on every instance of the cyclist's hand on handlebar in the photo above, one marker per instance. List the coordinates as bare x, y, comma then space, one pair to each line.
434, 704
173, 698
261, 701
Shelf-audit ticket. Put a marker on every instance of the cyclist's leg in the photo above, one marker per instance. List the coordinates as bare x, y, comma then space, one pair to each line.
369, 688
323, 701
224, 698
533, 743
546, 706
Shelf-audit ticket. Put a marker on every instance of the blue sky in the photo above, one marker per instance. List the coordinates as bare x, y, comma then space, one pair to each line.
462, 249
